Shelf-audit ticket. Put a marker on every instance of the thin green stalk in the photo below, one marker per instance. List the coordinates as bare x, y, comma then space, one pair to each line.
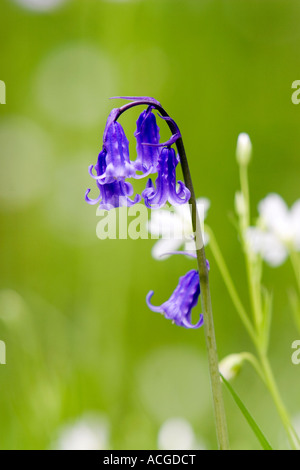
295, 305
246, 356
253, 278
245, 192
213, 361
254, 288
271, 384
295, 260
264, 371
229, 283
254, 281
247, 415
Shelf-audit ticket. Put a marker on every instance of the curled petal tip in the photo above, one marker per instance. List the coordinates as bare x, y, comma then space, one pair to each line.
91, 201
189, 325
91, 172
148, 301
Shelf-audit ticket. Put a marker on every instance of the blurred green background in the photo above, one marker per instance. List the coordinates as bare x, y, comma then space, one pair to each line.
81, 344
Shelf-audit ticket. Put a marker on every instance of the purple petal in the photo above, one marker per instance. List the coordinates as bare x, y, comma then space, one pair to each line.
91, 201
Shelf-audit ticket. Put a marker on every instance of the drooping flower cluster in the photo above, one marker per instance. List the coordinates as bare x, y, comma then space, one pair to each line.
111, 172
277, 232
114, 166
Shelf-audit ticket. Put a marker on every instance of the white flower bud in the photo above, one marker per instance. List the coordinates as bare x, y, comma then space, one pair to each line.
243, 149
231, 365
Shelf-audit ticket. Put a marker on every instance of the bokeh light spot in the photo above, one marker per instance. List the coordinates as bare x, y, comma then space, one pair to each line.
169, 381
270, 21
12, 306
89, 432
176, 434
40, 5
25, 162
73, 84
68, 214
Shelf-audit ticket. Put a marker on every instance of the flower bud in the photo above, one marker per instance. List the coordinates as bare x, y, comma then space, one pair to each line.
231, 365
243, 149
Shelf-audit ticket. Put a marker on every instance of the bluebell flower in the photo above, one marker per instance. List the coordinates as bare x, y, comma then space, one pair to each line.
179, 306
113, 193
147, 132
116, 150
100, 168
114, 165
166, 189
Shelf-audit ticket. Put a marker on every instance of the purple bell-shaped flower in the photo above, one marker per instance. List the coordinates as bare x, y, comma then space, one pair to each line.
147, 132
179, 306
114, 192
166, 189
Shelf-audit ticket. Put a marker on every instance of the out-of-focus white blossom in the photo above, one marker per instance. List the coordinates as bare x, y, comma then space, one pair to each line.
177, 434
175, 228
90, 432
277, 231
243, 149
40, 5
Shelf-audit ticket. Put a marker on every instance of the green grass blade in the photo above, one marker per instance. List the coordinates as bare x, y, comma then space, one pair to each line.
295, 304
267, 316
252, 423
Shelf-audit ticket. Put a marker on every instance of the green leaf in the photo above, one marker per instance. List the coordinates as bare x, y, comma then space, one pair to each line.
252, 423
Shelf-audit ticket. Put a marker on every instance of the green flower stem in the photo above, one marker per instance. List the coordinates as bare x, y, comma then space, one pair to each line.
295, 260
216, 385
254, 276
246, 356
271, 384
230, 284
245, 191
264, 370
295, 305
294, 294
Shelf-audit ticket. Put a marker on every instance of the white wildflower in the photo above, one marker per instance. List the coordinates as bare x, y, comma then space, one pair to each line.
277, 231
175, 228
